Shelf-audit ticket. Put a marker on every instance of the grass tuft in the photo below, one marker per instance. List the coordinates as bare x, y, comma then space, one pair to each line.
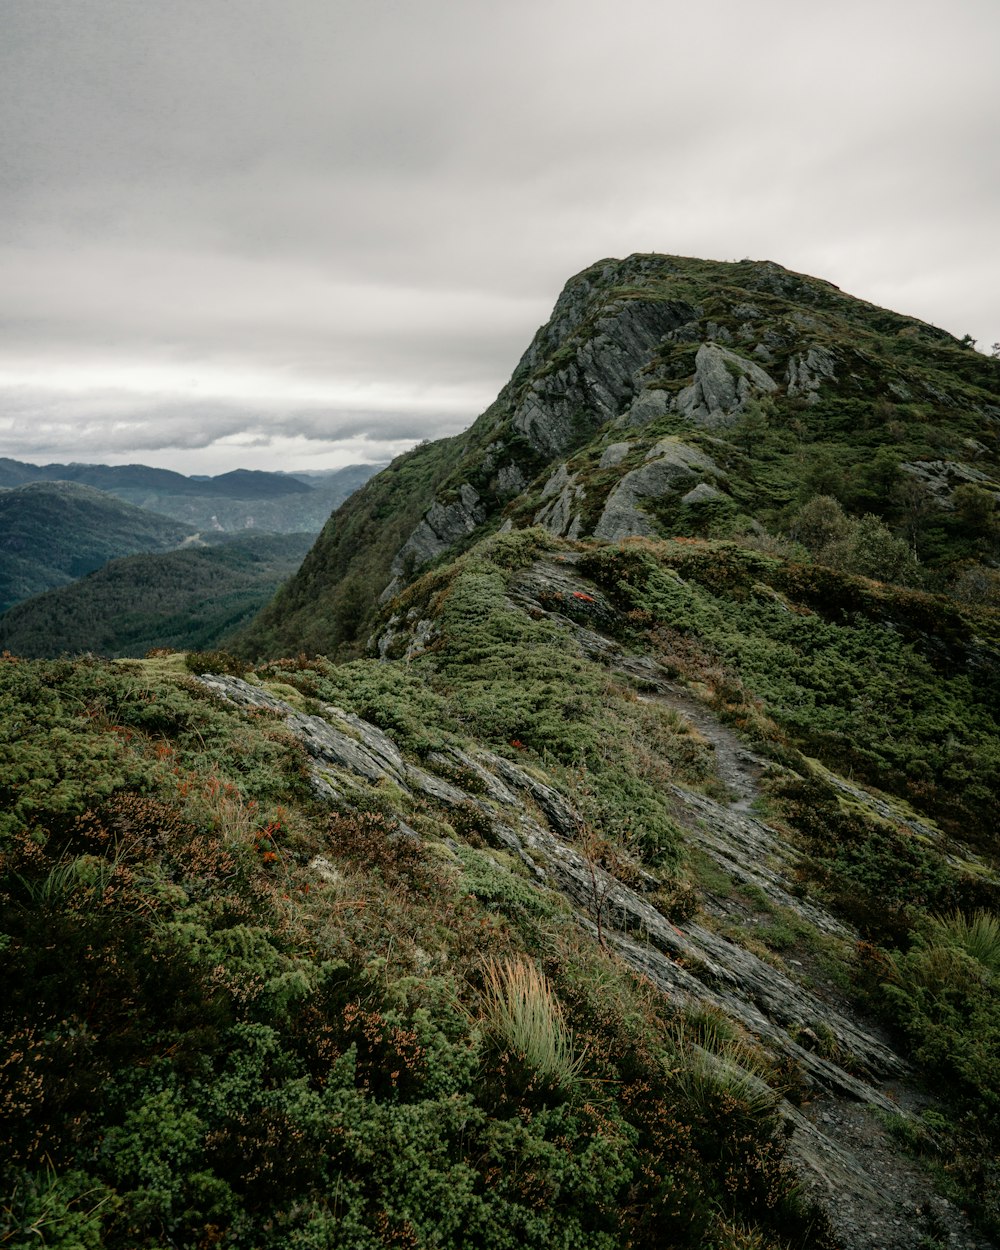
523, 1012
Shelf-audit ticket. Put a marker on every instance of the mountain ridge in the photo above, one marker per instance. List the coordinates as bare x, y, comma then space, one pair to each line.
228, 502
602, 854
755, 388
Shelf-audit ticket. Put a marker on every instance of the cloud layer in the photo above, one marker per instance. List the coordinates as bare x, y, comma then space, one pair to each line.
238, 232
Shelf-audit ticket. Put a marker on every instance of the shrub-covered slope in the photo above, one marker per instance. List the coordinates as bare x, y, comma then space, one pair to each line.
607, 908
180, 599
668, 395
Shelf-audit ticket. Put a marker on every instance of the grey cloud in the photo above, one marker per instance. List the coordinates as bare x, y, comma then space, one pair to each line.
386, 198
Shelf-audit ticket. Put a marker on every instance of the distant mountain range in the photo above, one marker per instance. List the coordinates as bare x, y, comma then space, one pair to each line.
281, 503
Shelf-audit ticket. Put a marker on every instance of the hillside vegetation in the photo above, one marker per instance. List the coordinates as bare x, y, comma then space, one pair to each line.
676, 396
52, 533
181, 599
593, 845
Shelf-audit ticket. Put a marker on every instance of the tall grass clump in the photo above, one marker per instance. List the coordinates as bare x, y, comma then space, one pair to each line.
978, 935
523, 1013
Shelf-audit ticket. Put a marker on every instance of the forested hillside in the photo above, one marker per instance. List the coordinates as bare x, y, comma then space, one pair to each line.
182, 599
54, 532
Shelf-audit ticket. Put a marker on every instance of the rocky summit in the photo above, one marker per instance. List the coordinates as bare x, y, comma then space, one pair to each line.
593, 844
672, 396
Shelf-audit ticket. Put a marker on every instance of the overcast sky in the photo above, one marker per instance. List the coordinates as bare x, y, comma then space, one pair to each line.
300, 233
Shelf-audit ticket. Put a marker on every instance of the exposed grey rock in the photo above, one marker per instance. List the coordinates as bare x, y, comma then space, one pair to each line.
560, 513
723, 383
596, 385
669, 466
510, 481
648, 405
614, 454
442, 525
490, 784
559, 813
807, 371
704, 492
942, 477
434, 787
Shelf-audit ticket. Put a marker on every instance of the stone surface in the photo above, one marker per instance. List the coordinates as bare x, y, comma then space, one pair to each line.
597, 383
723, 384
647, 406
613, 454
943, 477
563, 496
704, 492
807, 371
670, 466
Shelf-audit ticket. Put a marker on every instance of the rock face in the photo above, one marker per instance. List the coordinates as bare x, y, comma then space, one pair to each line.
670, 465
442, 526
943, 477
597, 384
723, 384
560, 513
807, 371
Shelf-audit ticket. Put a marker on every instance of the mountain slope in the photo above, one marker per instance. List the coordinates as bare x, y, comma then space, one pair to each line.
672, 395
54, 532
186, 600
569, 921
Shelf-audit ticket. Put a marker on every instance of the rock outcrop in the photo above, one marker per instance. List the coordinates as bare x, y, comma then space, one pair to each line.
723, 384
670, 467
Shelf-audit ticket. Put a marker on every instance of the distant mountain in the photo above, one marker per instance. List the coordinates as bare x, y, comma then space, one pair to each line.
54, 532
231, 502
185, 599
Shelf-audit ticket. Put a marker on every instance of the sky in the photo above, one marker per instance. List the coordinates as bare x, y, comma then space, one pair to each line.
294, 234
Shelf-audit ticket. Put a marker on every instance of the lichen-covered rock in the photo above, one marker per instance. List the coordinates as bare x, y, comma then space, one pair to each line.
594, 387
723, 384
443, 524
563, 496
704, 492
648, 405
614, 454
670, 466
943, 477
807, 371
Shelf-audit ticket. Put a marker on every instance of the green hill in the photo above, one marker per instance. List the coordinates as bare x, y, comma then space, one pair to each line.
185, 599
52, 533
